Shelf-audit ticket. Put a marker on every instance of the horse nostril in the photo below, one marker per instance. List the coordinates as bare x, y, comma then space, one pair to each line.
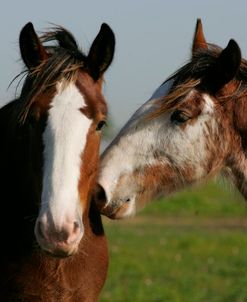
100, 193
99, 197
76, 227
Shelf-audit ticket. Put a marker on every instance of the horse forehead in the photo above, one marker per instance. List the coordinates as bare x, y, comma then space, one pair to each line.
92, 92
66, 93
152, 103
198, 100
66, 105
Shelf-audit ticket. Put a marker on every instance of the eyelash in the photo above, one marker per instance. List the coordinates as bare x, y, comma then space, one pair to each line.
179, 117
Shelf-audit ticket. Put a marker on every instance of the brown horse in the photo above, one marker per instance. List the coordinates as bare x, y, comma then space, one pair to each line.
193, 126
49, 157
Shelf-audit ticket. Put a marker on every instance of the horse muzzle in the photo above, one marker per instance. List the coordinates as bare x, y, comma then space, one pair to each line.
59, 242
116, 208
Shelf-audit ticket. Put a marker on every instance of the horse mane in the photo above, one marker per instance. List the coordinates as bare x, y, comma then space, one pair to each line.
64, 60
191, 75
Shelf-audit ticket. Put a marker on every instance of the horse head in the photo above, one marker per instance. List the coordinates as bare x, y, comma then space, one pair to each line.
62, 105
189, 130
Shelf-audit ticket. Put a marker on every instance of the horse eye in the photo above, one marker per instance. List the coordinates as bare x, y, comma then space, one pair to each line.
100, 125
179, 117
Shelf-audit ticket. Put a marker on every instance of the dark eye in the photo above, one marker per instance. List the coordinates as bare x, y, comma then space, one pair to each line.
179, 117
100, 125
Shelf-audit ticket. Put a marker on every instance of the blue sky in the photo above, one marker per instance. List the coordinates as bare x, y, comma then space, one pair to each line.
153, 39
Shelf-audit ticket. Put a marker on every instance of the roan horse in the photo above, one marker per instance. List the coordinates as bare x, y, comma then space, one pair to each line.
49, 157
194, 126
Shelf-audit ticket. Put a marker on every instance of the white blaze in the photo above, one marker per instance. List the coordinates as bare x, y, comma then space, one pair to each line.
64, 141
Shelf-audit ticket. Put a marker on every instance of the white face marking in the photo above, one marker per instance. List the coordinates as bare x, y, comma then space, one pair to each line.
121, 162
64, 141
134, 147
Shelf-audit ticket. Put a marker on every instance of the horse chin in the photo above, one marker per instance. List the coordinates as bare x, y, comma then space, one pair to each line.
59, 249
57, 252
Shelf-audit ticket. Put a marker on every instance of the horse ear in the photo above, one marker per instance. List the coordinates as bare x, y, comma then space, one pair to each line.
199, 40
224, 69
32, 51
101, 52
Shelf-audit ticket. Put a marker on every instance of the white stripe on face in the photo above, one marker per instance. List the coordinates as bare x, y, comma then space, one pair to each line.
64, 141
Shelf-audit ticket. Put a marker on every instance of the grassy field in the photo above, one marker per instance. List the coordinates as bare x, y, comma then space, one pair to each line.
191, 247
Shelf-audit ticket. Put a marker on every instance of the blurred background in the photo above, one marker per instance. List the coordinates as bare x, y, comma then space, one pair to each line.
193, 246
153, 39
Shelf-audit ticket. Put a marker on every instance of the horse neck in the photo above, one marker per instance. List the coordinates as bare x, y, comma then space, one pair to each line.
18, 194
10, 148
14, 146
237, 160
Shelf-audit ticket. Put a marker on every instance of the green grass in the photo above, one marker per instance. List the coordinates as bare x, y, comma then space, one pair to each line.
213, 199
191, 247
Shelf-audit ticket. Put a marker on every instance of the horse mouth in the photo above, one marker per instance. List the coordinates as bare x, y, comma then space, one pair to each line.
116, 212
58, 249
59, 253
58, 243
114, 209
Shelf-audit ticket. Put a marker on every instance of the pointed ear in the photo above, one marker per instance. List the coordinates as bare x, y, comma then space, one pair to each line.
199, 40
224, 69
101, 52
32, 51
